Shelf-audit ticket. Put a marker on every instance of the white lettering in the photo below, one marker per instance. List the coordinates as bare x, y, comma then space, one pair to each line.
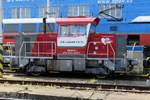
72, 41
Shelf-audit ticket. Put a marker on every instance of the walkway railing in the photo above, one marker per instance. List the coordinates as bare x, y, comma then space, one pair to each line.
41, 49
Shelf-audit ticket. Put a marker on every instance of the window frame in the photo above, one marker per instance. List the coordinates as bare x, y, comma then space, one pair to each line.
21, 12
55, 12
78, 10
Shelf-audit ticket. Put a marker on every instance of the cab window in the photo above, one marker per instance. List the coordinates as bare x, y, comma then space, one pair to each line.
64, 30
72, 30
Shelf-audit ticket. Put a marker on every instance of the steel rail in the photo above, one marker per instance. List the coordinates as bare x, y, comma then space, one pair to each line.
100, 87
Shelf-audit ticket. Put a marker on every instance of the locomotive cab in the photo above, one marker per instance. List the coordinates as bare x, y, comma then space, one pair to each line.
73, 36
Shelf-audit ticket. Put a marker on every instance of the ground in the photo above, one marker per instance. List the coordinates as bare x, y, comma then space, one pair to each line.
66, 92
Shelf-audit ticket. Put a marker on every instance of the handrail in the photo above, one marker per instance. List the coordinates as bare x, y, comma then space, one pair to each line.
89, 43
133, 48
38, 52
107, 51
20, 51
113, 51
10, 48
42, 42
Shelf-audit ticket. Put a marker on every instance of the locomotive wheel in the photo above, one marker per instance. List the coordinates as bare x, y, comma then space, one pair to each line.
35, 74
35, 70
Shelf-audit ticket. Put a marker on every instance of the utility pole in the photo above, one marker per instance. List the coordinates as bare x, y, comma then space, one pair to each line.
48, 12
48, 8
46, 16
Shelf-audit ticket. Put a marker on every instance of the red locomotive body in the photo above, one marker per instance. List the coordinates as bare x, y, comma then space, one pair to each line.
44, 45
101, 45
8, 38
75, 47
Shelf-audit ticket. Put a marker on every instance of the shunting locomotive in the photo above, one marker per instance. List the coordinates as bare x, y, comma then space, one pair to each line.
76, 47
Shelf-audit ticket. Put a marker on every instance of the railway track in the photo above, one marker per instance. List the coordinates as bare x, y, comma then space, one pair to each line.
112, 86
82, 86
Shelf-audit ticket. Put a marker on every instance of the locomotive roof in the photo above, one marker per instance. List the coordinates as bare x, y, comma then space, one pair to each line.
77, 20
52, 20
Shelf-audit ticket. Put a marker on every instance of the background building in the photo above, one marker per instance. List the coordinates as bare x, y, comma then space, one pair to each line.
117, 16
